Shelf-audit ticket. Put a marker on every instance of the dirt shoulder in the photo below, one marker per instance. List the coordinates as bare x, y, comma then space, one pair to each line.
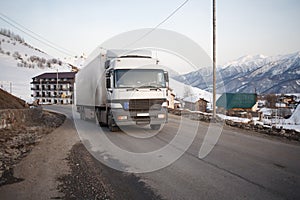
90, 179
17, 142
8, 101
34, 175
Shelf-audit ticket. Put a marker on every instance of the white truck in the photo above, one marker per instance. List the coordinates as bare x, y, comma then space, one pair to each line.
121, 87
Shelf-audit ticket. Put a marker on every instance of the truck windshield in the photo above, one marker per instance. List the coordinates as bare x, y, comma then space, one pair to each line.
139, 78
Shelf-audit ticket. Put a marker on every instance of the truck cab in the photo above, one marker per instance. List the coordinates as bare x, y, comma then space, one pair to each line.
136, 92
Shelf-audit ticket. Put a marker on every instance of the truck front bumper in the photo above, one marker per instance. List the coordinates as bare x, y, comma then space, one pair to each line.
122, 117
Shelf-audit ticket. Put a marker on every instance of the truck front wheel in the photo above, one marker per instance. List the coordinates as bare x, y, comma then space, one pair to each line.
155, 126
82, 114
111, 123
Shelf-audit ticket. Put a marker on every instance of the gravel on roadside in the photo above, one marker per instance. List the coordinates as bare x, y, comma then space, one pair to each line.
90, 179
18, 141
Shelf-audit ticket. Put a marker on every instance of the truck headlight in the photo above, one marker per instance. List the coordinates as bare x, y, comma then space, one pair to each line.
116, 105
122, 117
161, 116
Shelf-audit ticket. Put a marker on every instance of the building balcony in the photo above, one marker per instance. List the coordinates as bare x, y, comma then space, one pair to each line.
53, 89
52, 96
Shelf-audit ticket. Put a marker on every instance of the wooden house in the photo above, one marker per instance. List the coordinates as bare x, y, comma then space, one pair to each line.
195, 103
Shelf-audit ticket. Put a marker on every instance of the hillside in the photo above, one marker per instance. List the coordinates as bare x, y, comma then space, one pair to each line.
19, 62
275, 74
8, 101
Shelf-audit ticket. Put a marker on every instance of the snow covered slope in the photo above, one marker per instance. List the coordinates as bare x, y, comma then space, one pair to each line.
295, 118
20, 62
182, 90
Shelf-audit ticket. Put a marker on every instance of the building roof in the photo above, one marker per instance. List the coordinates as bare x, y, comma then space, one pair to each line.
193, 99
237, 100
178, 102
54, 75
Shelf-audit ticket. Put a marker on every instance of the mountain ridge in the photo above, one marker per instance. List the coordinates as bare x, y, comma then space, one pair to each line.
259, 73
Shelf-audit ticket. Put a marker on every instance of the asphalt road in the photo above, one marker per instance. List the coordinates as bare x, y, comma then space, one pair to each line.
242, 165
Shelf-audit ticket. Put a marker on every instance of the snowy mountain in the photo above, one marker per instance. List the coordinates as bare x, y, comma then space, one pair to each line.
274, 74
20, 62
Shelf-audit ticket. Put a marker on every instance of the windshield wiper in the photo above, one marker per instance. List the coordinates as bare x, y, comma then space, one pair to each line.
151, 86
132, 89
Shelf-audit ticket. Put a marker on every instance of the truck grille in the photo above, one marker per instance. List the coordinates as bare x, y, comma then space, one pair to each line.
145, 104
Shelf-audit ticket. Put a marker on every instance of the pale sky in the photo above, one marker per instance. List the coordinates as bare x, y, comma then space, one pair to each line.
268, 27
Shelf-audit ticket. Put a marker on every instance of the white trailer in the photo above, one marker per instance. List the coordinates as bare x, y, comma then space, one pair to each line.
121, 87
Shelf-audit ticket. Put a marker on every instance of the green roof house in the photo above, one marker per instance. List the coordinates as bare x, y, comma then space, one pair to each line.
237, 102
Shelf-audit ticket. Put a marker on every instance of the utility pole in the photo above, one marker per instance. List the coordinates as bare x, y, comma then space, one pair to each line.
214, 60
10, 87
57, 86
41, 90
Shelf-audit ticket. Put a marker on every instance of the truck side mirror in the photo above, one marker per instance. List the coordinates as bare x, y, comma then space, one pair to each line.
107, 64
108, 82
166, 76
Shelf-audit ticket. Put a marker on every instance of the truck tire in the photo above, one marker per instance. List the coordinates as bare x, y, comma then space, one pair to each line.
82, 113
101, 124
155, 126
97, 116
111, 126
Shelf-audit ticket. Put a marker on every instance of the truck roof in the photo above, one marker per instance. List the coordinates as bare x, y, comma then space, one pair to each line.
116, 53
134, 62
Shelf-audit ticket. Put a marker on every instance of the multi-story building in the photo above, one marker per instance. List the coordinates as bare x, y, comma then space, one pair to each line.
54, 88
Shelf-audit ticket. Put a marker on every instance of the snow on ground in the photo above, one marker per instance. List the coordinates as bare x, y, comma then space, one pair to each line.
295, 118
235, 119
290, 127
12, 46
293, 122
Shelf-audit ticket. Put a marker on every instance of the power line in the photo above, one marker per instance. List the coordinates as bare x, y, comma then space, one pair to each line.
159, 24
37, 34
30, 35
51, 46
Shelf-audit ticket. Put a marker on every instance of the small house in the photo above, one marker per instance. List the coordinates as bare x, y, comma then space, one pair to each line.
195, 103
